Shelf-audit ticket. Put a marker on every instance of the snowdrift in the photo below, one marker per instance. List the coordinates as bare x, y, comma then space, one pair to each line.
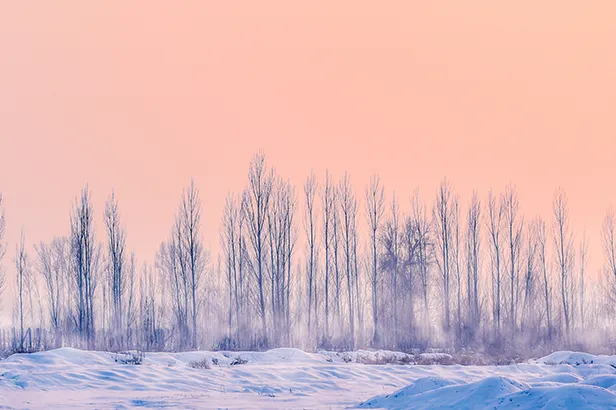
291, 378
567, 380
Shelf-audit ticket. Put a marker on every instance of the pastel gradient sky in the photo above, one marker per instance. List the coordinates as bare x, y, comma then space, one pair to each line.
140, 96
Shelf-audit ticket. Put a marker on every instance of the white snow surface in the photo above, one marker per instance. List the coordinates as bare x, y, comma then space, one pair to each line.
290, 378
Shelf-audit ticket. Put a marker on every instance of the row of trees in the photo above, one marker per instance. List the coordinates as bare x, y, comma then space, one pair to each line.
323, 267
439, 275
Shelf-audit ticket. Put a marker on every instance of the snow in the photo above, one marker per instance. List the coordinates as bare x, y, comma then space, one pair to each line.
577, 358
291, 378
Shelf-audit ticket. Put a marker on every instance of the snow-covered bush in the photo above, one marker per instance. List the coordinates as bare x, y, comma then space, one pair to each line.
200, 364
238, 360
134, 357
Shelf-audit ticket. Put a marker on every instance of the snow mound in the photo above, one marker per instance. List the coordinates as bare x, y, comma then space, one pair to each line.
576, 359
562, 378
400, 397
64, 355
601, 380
562, 397
480, 394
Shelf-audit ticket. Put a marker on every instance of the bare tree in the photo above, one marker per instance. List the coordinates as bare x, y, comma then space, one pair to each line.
564, 255
190, 216
348, 208
473, 249
148, 312
131, 311
310, 190
336, 249
515, 225
530, 275
455, 243
390, 259
547, 283
495, 225
583, 261
229, 245
411, 245
53, 267
425, 250
443, 226
183, 261
281, 238
84, 264
375, 206
23, 277
357, 278
256, 201
328, 209
171, 260
116, 260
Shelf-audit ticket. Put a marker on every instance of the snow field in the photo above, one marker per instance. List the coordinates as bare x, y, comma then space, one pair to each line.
290, 378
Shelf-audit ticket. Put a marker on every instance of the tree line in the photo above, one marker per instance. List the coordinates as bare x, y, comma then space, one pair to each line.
322, 266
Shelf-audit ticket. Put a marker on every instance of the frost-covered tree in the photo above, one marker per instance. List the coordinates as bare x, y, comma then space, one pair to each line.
348, 212
256, 202
514, 224
116, 265
310, 226
564, 255
53, 267
22, 269
84, 259
443, 220
495, 226
375, 207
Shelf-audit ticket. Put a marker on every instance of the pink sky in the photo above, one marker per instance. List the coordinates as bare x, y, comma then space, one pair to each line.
140, 96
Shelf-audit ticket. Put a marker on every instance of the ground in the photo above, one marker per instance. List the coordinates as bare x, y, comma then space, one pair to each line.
290, 378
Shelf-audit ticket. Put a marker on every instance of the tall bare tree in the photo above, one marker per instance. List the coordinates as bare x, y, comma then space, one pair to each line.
425, 250
23, 277
530, 280
281, 244
348, 209
443, 227
514, 225
564, 254
456, 245
197, 257
116, 261
583, 261
495, 226
336, 261
390, 259
547, 282
256, 202
229, 245
84, 264
375, 206
171, 261
329, 208
473, 241
310, 191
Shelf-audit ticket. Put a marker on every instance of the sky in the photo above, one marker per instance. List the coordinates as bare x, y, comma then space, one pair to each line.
138, 97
